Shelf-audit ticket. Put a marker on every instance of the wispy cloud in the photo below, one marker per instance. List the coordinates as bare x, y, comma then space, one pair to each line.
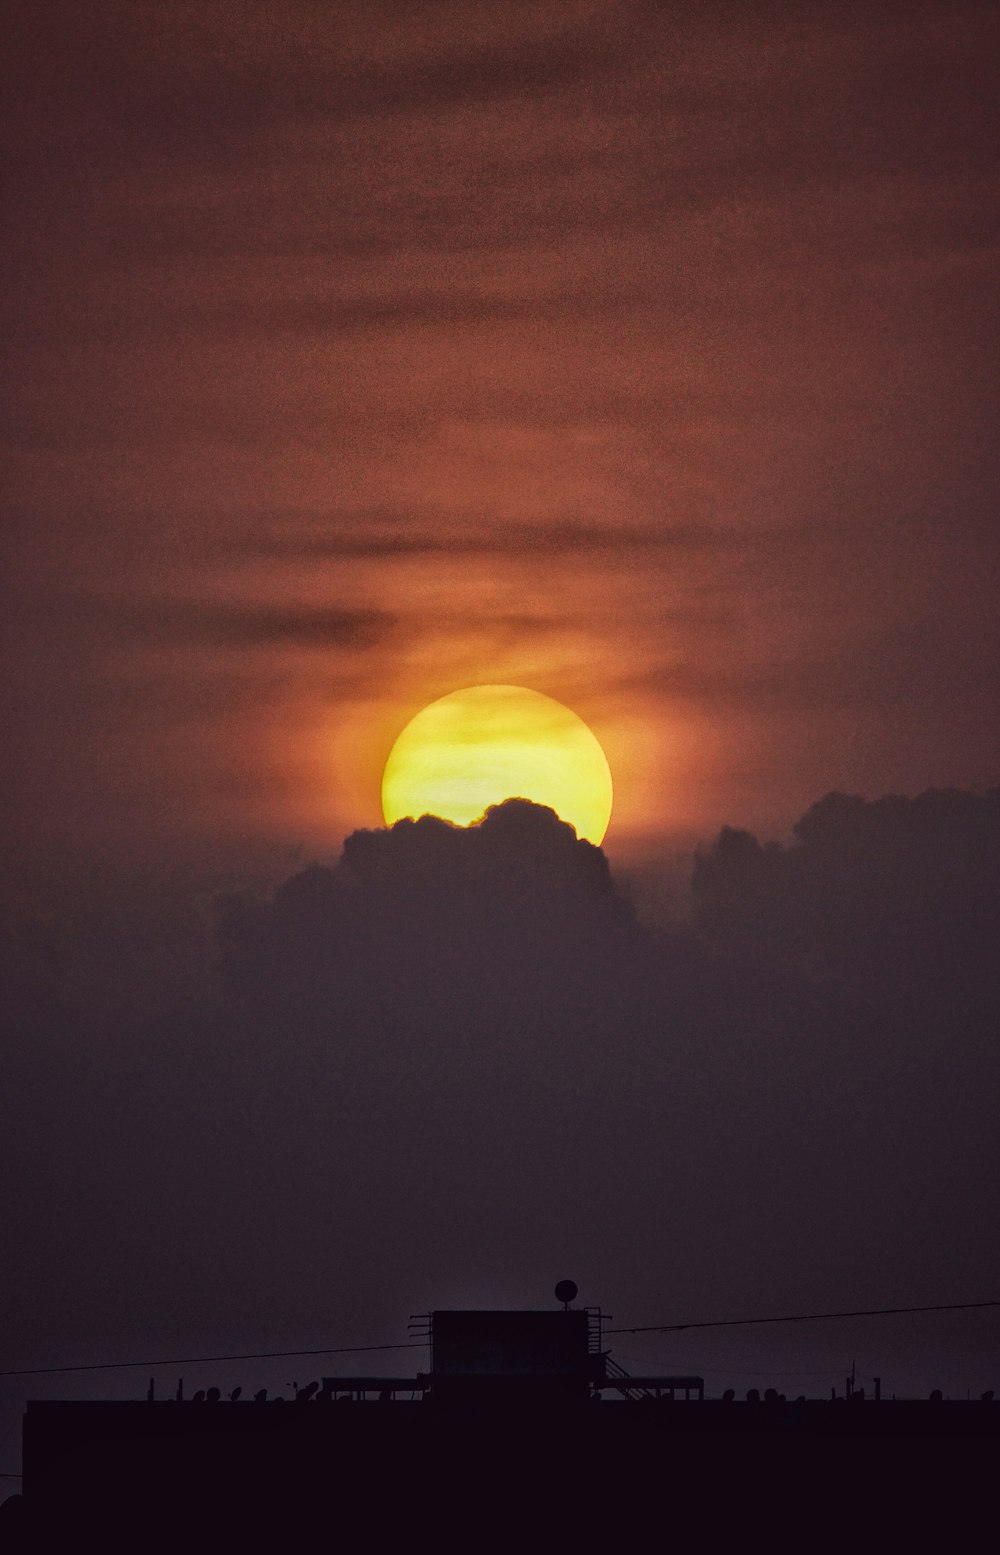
644, 352
581, 538
225, 625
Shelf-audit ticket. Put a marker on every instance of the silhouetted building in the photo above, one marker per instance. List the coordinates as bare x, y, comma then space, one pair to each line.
504, 1431
489, 1359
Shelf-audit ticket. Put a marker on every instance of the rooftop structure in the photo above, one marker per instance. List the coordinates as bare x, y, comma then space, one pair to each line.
506, 1416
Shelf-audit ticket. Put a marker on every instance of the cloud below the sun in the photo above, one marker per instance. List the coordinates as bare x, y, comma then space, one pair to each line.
456, 1054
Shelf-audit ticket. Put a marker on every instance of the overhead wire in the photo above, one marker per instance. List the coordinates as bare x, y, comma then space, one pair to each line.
801, 1317
362, 1349
198, 1360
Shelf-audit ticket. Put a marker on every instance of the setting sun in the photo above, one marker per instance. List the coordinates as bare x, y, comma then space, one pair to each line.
479, 746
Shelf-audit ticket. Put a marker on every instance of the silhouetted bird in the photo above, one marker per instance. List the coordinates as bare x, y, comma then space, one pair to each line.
753, 1396
729, 1397
234, 1395
213, 1396
260, 1397
199, 1397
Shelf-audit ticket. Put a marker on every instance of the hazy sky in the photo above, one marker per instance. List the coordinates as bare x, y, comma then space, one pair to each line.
641, 355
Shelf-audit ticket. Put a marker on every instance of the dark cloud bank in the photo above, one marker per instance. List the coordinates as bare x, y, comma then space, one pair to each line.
454, 1066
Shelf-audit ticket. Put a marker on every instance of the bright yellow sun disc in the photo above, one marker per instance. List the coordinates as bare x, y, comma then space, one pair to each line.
480, 746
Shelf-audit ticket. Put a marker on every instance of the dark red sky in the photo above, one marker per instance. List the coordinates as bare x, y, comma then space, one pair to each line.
643, 355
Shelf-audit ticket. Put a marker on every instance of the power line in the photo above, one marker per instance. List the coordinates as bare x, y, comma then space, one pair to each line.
198, 1360
363, 1349
801, 1317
